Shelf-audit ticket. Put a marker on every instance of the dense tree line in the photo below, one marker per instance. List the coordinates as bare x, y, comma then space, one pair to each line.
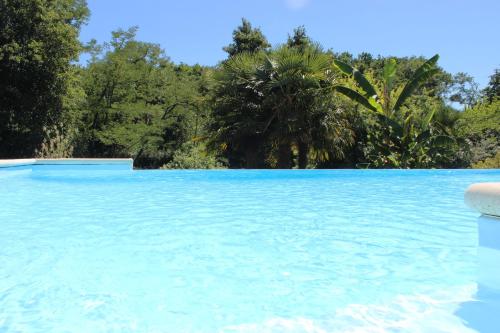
294, 105
38, 43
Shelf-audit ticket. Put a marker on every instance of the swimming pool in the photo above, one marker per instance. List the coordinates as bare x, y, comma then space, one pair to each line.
107, 249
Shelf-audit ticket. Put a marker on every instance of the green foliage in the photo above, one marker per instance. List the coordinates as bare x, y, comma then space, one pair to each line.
489, 163
56, 144
481, 120
422, 74
299, 39
403, 136
417, 142
193, 156
464, 90
356, 96
492, 91
366, 88
297, 80
483, 148
294, 105
138, 103
246, 39
480, 126
381, 98
269, 106
239, 116
38, 42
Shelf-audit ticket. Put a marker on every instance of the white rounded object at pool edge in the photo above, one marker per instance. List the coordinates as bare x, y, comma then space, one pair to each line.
484, 197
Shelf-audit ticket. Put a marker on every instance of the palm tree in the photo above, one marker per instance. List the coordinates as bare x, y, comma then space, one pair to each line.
239, 117
275, 99
297, 79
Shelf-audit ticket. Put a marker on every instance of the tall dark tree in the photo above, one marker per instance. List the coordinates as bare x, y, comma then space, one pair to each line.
247, 39
38, 42
492, 91
299, 39
239, 114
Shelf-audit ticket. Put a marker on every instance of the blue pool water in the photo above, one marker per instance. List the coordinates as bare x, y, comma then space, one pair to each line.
106, 249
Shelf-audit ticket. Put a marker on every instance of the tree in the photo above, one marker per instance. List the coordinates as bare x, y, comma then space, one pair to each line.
247, 39
139, 104
492, 91
239, 115
280, 100
481, 120
299, 79
299, 39
38, 42
480, 126
261, 107
464, 90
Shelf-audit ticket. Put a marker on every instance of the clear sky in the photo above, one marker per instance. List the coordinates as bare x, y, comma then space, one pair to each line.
464, 32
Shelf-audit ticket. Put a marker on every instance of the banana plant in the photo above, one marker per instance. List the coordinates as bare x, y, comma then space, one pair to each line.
414, 143
386, 99
408, 139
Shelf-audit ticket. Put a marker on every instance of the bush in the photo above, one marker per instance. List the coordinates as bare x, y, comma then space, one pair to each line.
481, 120
56, 144
489, 163
483, 148
193, 156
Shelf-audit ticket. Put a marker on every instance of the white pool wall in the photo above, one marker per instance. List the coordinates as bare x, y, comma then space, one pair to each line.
66, 161
485, 198
489, 252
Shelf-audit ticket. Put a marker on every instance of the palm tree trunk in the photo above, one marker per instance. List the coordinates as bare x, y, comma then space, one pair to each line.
251, 158
303, 154
284, 155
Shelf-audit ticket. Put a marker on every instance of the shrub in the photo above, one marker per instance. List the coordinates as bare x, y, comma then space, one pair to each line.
489, 163
193, 156
56, 144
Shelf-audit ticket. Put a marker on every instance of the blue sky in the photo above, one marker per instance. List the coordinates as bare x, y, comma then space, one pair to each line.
464, 32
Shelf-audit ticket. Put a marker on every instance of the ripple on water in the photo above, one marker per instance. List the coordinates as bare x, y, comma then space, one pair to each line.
245, 251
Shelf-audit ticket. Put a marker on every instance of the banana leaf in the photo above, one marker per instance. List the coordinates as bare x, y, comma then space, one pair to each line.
360, 79
412, 85
442, 140
355, 96
390, 73
423, 73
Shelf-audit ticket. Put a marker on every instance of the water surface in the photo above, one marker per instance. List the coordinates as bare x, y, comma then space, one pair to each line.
100, 249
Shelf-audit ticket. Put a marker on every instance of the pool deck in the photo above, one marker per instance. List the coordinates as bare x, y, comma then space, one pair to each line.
485, 198
66, 161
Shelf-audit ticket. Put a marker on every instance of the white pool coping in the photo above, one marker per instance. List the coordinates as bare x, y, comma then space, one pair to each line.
485, 198
66, 161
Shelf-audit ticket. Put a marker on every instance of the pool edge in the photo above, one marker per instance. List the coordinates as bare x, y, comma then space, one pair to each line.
7, 163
